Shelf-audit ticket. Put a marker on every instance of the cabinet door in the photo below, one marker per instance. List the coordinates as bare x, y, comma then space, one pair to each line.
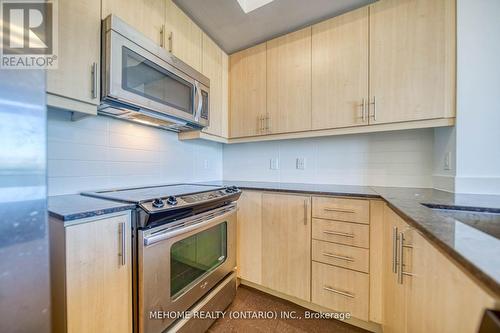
98, 283
184, 36
289, 82
225, 95
340, 71
286, 244
147, 16
249, 231
79, 51
247, 89
212, 68
441, 297
394, 300
412, 60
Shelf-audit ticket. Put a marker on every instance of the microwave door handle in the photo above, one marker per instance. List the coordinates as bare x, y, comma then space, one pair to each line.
199, 105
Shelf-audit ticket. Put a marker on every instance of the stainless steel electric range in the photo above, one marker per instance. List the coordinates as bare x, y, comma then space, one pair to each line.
184, 253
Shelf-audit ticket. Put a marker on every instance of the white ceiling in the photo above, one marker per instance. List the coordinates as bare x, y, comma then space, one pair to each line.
233, 29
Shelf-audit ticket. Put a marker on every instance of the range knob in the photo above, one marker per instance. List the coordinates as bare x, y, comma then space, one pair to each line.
158, 203
171, 200
232, 189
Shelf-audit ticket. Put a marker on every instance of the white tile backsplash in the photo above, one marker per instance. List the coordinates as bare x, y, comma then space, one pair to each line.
102, 152
402, 158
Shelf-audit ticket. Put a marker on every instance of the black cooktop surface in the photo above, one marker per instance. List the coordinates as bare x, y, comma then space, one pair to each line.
141, 194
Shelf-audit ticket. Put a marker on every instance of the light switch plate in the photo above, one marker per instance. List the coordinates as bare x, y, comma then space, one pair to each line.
447, 161
274, 164
300, 163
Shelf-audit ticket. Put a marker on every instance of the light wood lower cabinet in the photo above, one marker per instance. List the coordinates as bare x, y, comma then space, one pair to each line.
360, 268
91, 275
346, 233
249, 231
340, 289
286, 243
432, 294
274, 244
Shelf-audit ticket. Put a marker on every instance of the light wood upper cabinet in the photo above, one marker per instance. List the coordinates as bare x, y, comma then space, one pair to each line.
247, 89
184, 37
289, 82
412, 60
147, 16
79, 56
340, 71
212, 68
286, 244
91, 265
225, 95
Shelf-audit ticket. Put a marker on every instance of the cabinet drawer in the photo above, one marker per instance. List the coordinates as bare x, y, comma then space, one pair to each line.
352, 210
341, 255
341, 232
340, 289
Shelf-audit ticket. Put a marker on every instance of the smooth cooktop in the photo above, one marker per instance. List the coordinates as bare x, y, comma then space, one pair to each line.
141, 194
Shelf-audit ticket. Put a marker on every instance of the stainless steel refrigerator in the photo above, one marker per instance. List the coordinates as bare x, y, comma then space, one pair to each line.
24, 252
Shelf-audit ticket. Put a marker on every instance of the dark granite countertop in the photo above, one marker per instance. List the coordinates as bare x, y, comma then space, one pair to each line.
326, 189
74, 207
476, 251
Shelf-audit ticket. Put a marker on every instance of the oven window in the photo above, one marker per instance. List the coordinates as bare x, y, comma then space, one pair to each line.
193, 257
147, 79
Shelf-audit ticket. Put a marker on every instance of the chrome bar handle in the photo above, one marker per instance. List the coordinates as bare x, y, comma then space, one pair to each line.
363, 107
305, 211
123, 234
374, 103
268, 123
339, 210
170, 41
337, 233
394, 249
162, 35
93, 73
400, 262
261, 124
343, 293
336, 256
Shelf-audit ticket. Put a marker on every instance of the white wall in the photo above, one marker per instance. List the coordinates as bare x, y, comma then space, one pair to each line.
403, 158
102, 152
478, 96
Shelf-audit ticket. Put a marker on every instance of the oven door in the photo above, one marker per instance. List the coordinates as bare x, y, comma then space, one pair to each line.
179, 264
134, 76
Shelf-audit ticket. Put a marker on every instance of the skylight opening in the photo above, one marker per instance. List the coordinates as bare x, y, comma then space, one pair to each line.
251, 5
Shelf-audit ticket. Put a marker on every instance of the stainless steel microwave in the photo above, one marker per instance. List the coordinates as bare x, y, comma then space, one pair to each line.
144, 83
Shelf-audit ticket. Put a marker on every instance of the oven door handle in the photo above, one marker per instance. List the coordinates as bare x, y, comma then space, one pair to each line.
205, 221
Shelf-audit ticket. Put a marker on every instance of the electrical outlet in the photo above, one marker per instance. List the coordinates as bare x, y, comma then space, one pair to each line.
274, 164
447, 161
300, 163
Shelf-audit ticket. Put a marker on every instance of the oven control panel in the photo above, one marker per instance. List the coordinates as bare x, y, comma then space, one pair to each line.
173, 202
